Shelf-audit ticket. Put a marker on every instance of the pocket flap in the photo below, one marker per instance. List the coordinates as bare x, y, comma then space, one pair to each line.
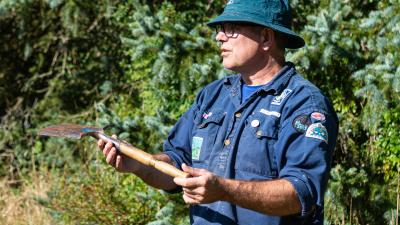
263, 126
203, 118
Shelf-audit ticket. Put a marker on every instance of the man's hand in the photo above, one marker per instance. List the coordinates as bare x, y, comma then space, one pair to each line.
119, 161
201, 188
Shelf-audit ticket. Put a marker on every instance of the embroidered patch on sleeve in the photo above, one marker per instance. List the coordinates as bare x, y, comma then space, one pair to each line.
197, 142
317, 131
279, 99
301, 123
318, 116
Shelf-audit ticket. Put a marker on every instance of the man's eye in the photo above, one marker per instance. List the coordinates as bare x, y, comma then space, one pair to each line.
229, 28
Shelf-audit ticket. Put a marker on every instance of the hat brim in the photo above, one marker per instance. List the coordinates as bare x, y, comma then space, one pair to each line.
294, 41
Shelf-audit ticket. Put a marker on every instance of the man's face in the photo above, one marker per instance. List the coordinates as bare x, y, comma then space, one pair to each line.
241, 46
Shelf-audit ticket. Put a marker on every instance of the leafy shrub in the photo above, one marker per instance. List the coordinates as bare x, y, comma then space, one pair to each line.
137, 65
99, 195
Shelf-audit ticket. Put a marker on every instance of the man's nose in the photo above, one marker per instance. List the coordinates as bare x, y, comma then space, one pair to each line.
221, 36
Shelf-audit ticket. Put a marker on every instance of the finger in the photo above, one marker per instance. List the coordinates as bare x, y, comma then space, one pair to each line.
111, 156
191, 182
189, 200
118, 163
179, 181
100, 143
110, 144
197, 194
107, 149
193, 171
192, 196
195, 191
189, 191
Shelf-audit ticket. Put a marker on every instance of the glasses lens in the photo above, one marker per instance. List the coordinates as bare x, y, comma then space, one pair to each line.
229, 29
226, 28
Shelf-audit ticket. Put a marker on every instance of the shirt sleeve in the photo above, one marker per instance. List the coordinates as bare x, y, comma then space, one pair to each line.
306, 141
178, 144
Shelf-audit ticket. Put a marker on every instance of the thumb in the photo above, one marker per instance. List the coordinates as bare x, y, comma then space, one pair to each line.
194, 172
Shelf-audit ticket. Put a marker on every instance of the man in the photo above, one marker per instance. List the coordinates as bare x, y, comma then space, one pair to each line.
258, 144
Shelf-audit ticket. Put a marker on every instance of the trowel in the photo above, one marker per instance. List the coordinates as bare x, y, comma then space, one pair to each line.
78, 131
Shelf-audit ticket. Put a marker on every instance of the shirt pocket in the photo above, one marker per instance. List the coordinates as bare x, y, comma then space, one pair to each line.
255, 158
207, 124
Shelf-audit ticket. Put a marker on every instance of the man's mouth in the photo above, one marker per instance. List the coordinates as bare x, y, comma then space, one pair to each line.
224, 51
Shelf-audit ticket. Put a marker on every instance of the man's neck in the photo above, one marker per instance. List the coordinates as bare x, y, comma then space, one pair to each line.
262, 75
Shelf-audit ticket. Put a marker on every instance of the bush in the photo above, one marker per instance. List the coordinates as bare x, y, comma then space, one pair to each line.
137, 65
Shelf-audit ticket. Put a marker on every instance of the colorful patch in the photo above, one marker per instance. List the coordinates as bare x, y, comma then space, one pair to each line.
197, 142
318, 116
270, 113
301, 123
317, 131
279, 99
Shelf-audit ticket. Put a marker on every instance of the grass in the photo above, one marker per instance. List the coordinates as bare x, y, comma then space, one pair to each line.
20, 205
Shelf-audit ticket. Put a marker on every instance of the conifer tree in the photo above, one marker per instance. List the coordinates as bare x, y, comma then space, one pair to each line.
137, 65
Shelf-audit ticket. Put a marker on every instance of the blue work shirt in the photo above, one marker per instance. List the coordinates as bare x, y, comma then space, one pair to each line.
287, 129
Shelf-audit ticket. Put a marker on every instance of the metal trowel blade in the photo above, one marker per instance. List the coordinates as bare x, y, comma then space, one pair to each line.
69, 131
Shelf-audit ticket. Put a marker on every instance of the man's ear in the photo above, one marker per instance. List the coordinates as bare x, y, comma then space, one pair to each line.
268, 38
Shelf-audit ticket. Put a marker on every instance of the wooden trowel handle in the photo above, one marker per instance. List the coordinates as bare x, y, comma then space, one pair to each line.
144, 157
148, 159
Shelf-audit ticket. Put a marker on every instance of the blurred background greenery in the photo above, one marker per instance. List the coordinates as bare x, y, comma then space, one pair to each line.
137, 65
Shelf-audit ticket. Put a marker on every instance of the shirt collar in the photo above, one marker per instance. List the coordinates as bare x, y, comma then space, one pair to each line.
276, 85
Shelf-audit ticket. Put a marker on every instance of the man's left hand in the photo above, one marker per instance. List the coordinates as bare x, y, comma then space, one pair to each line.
202, 187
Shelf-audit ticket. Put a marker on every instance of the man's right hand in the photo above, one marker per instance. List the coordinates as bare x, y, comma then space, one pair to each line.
119, 161
148, 174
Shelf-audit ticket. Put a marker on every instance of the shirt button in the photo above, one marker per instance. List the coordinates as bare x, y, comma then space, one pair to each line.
237, 115
227, 142
255, 123
259, 133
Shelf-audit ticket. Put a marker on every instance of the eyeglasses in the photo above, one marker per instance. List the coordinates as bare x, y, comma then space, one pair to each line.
227, 28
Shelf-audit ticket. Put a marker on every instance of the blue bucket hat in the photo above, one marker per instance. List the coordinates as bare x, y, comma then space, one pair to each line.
274, 14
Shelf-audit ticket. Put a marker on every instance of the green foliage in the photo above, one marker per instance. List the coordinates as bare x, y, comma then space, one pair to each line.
137, 65
54, 59
388, 144
357, 69
350, 191
380, 79
66, 66
171, 55
98, 195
